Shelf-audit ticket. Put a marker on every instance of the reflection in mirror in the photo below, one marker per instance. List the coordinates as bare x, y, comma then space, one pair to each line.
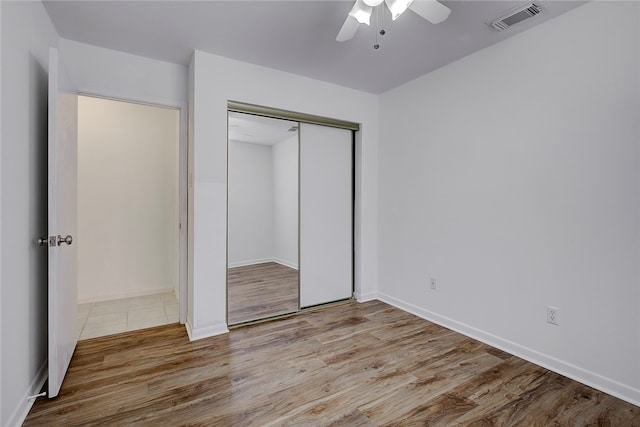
262, 247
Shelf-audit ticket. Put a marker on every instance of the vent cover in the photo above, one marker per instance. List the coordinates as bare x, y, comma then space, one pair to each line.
516, 15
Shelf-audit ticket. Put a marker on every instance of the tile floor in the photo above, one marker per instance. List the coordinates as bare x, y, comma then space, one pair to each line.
111, 317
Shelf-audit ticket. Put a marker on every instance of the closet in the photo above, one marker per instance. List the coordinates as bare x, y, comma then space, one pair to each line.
289, 212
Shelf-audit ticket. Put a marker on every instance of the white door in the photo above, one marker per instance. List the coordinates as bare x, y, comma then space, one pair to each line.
63, 116
326, 214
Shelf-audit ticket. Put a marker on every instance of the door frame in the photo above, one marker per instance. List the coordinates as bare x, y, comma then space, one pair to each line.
183, 172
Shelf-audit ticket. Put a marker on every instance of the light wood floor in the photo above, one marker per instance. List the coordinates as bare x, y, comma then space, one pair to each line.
260, 291
349, 365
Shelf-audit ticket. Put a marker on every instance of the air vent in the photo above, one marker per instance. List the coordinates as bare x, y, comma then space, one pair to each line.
516, 15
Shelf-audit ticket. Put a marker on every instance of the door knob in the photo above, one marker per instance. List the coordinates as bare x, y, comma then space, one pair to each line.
68, 240
42, 241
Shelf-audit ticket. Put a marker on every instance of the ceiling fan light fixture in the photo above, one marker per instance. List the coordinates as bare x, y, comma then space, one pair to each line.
361, 12
397, 7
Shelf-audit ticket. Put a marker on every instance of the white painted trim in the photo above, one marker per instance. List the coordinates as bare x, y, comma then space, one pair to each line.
285, 263
183, 212
131, 294
262, 261
606, 385
20, 413
205, 331
364, 297
119, 96
249, 262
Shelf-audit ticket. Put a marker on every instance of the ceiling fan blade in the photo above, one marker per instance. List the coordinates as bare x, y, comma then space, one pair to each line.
348, 29
431, 10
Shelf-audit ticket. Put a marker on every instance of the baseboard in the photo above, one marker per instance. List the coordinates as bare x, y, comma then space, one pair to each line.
205, 331
20, 413
249, 262
262, 261
286, 263
364, 297
131, 294
606, 385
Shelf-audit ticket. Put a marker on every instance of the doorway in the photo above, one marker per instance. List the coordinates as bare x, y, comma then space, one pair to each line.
128, 216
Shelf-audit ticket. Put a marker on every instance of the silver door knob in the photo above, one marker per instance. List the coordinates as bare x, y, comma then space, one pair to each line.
42, 241
68, 240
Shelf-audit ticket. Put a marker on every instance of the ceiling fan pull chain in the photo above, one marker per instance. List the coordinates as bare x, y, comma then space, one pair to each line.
377, 45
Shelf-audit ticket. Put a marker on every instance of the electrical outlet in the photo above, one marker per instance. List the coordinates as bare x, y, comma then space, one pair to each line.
553, 315
432, 283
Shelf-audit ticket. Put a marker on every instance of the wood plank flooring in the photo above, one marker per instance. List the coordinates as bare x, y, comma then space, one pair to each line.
260, 291
354, 364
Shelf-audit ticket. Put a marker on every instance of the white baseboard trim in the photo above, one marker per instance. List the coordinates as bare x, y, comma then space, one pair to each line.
286, 263
249, 262
20, 413
606, 385
131, 294
364, 297
262, 261
205, 331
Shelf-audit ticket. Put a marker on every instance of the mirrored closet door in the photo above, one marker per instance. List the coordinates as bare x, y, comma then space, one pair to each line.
262, 247
290, 213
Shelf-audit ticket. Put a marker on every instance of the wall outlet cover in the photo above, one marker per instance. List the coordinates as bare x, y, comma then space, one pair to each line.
553, 315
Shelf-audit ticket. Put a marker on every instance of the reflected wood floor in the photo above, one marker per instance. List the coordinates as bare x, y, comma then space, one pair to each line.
354, 364
261, 290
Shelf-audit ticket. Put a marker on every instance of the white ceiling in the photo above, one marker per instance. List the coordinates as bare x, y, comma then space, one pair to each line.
259, 130
297, 36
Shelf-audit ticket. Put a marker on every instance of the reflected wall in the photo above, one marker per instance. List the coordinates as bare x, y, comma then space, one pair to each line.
262, 247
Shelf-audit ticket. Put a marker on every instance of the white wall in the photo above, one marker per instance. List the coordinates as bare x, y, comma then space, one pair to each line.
263, 203
99, 71
251, 204
26, 34
216, 80
127, 199
513, 177
285, 202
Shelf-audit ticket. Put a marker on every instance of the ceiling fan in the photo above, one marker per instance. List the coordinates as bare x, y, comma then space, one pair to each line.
431, 10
